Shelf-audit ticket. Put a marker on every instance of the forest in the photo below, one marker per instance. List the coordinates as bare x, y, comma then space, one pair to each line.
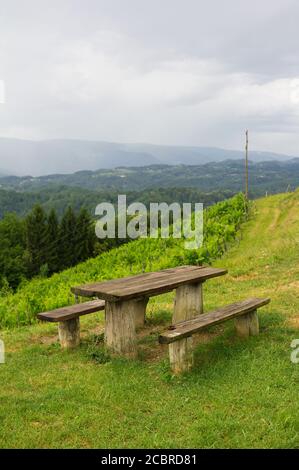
265, 177
42, 244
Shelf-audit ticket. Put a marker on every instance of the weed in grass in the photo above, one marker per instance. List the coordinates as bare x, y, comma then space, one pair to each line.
98, 354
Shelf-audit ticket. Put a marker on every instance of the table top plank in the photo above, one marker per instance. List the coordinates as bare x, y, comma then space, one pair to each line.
89, 289
148, 284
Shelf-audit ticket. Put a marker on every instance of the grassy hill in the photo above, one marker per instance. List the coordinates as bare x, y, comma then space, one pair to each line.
240, 393
221, 223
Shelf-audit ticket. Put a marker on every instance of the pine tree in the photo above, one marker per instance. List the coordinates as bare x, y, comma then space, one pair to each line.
53, 242
85, 236
67, 239
36, 239
12, 248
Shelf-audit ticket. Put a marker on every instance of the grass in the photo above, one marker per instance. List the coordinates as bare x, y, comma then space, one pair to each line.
239, 394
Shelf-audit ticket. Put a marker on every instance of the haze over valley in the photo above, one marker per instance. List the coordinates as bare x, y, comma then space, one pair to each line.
27, 157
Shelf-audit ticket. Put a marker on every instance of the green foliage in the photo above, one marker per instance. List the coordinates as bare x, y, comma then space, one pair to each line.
67, 238
21, 201
270, 177
52, 239
97, 352
141, 255
12, 251
240, 394
41, 246
36, 239
85, 236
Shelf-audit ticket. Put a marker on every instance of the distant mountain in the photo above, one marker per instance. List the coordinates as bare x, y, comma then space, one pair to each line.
25, 157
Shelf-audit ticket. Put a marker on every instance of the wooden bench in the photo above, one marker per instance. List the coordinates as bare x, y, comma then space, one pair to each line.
179, 336
68, 320
127, 298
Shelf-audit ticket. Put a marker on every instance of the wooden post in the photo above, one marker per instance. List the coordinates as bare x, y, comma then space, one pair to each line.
188, 304
246, 166
242, 326
120, 330
247, 324
181, 355
253, 321
69, 333
140, 311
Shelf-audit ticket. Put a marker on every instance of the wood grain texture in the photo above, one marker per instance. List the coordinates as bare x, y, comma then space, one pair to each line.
188, 302
73, 311
69, 333
120, 329
181, 355
254, 327
189, 327
149, 284
140, 312
242, 326
247, 324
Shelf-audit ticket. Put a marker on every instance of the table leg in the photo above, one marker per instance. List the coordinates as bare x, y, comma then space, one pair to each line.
120, 329
188, 304
140, 311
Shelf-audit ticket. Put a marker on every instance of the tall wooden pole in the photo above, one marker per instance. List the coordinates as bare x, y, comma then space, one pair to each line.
246, 165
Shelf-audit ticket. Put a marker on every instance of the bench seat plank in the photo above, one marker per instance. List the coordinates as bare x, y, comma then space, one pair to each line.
187, 328
73, 311
149, 284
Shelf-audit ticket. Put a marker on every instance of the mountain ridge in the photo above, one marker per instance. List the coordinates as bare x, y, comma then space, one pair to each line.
63, 156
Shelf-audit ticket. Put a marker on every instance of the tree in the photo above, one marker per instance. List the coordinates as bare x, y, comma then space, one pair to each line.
12, 242
67, 239
36, 239
53, 242
85, 236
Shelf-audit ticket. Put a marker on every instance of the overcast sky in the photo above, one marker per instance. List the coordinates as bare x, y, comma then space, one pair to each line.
188, 72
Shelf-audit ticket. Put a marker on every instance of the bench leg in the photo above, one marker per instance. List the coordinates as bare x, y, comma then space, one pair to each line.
253, 321
69, 333
247, 325
181, 355
140, 311
120, 330
188, 302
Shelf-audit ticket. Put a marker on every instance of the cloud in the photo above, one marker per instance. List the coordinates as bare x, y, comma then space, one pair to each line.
175, 73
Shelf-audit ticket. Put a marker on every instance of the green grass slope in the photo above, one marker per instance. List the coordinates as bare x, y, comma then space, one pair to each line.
239, 394
221, 223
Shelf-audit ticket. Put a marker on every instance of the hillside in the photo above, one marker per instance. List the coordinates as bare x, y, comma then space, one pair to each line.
23, 157
221, 223
60, 197
271, 177
240, 393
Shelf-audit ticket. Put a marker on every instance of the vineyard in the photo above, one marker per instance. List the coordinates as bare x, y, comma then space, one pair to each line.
221, 224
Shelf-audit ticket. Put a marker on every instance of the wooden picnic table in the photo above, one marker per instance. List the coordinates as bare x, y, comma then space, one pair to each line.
127, 298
